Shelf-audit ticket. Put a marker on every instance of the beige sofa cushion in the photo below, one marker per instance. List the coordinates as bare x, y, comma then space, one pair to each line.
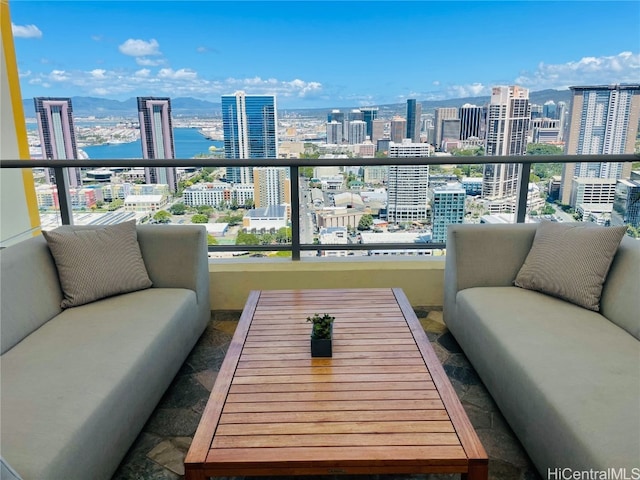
570, 261
97, 263
566, 378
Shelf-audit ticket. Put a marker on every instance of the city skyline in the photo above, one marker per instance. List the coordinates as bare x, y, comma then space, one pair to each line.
193, 49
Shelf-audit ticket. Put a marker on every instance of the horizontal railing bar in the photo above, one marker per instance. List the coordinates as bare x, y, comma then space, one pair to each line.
311, 247
316, 162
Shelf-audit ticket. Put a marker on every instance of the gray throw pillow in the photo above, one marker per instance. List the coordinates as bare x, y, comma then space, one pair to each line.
570, 261
98, 262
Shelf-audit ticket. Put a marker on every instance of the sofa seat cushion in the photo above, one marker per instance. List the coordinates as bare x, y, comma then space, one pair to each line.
566, 378
92, 372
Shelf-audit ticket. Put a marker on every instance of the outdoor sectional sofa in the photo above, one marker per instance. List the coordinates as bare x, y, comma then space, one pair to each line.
78, 384
566, 378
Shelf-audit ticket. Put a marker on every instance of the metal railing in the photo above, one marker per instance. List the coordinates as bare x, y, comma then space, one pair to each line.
62, 183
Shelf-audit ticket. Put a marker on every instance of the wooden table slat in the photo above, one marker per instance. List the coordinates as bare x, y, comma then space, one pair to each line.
319, 428
336, 416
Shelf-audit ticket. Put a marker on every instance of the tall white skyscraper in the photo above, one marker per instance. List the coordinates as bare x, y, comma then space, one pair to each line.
156, 135
57, 134
357, 131
407, 185
603, 121
508, 120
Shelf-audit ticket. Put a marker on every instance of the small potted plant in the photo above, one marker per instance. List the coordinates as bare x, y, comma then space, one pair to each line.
321, 333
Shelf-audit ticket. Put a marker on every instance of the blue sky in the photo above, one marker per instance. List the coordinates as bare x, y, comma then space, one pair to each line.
321, 54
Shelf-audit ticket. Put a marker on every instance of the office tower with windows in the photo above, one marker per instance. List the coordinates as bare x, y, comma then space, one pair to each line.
603, 121
377, 130
441, 114
334, 132
407, 185
447, 207
398, 129
536, 110
414, 111
156, 136
508, 118
57, 134
369, 114
338, 116
550, 110
270, 186
473, 121
249, 124
626, 204
450, 130
357, 131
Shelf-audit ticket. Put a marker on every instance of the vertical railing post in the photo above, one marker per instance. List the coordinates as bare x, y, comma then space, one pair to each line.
64, 198
523, 191
294, 173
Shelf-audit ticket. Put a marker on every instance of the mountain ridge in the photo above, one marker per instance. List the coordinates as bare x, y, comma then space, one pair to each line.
189, 107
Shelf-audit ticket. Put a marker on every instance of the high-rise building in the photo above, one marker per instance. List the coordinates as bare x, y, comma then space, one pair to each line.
156, 136
626, 204
57, 134
508, 119
447, 207
334, 132
398, 129
377, 130
414, 111
357, 131
270, 186
250, 131
369, 114
603, 121
441, 114
407, 185
550, 110
473, 121
450, 130
338, 116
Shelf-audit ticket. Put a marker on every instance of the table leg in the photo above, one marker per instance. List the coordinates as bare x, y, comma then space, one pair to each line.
477, 471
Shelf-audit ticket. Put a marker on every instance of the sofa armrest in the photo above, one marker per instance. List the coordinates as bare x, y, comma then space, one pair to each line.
176, 257
484, 255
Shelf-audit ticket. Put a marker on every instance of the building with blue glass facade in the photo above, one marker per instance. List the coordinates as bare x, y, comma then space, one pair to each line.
249, 124
447, 207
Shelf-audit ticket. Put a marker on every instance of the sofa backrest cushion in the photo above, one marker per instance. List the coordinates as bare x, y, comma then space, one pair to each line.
620, 301
95, 263
30, 290
570, 261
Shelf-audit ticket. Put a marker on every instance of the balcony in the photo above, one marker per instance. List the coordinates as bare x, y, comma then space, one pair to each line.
160, 448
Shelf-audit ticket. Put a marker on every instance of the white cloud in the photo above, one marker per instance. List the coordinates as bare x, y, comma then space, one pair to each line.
140, 48
175, 82
26, 31
148, 62
24, 74
59, 76
181, 74
621, 68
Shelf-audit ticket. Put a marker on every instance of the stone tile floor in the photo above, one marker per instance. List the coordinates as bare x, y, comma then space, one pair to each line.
159, 450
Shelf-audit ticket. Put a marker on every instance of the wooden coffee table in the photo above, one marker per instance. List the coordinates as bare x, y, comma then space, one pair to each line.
381, 404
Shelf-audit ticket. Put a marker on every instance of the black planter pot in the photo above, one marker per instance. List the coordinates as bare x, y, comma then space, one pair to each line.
320, 347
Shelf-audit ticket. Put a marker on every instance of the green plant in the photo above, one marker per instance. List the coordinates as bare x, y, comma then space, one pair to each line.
321, 325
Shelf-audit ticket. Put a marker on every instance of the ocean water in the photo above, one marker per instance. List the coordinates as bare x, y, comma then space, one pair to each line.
188, 143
